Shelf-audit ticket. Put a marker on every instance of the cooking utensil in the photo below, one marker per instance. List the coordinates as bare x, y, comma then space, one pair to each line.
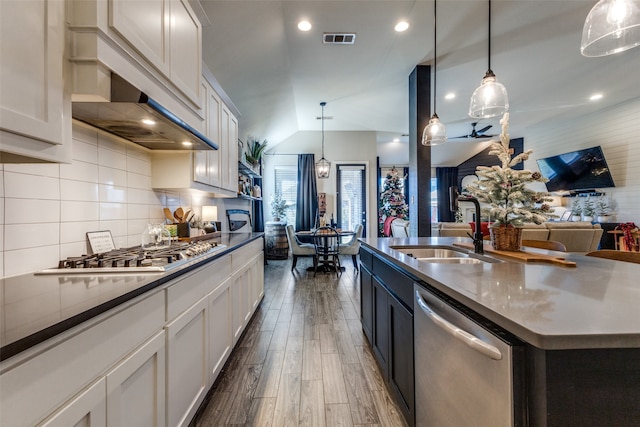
188, 215
178, 214
168, 216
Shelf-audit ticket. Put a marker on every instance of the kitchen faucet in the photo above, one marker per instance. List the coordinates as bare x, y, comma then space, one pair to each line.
454, 198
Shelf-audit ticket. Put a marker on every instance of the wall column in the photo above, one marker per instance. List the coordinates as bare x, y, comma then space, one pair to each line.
419, 155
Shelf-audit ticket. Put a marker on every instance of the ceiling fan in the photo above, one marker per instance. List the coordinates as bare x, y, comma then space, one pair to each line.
476, 133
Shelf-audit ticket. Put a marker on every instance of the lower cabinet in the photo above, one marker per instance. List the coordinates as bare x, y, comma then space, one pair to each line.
101, 375
136, 387
88, 408
387, 322
187, 363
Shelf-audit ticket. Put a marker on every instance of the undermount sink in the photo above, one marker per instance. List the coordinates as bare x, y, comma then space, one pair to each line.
442, 255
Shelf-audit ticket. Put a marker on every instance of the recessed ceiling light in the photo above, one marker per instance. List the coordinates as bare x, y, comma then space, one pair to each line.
595, 97
304, 25
148, 122
450, 95
187, 143
401, 26
396, 139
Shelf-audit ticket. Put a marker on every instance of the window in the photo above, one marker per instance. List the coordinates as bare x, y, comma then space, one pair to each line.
434, 199
286, 178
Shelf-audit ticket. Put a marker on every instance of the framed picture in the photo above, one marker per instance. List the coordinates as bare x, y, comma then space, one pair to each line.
566, 215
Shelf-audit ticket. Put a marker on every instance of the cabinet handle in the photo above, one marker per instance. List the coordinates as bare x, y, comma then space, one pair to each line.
460, 334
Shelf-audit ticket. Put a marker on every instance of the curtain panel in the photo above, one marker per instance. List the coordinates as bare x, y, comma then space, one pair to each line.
307, 197
445, 177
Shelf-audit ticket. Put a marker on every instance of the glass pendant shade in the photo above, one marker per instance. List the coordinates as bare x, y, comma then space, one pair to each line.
612, 26
434, 133
322, 168
490, 99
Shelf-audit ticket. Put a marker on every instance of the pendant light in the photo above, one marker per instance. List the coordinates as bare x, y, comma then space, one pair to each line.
490, 99
323, 166
434, 133
612, 26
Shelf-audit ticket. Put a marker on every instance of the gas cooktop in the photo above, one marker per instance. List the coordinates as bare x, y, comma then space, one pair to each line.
136, 259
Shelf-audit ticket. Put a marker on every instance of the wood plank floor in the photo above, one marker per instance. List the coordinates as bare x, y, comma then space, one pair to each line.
303, 360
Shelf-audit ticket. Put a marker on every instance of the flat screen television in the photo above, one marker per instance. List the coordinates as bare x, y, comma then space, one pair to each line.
578, 170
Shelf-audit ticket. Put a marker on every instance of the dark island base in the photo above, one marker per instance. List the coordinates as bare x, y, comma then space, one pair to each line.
598, 387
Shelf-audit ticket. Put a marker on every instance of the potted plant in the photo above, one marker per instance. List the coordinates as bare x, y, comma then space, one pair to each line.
603, 210
511, 202
588, 210
278, 207
255, 149
576, 210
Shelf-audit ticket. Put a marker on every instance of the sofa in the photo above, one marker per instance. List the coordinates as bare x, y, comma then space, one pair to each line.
578, 236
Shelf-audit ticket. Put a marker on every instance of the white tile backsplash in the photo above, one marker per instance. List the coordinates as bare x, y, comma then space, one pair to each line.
25, 236
79, 171
111, 176
47, 209
31, 211
78, 190
27, 186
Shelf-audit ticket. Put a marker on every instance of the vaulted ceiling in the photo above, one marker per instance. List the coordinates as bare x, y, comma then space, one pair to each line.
277, 75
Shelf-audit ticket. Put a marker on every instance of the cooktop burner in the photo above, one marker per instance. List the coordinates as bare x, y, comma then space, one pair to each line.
135, 259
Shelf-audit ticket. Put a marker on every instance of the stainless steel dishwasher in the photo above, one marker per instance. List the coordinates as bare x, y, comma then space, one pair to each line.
468, 371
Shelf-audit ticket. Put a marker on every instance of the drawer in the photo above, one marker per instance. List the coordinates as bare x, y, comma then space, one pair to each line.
245, 254
366, 258
187, 290
397, 282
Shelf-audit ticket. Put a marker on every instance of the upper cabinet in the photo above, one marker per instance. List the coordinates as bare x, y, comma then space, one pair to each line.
156, 45
35, 109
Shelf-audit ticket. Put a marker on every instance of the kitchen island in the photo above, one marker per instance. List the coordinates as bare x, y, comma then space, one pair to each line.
145, 347
580, 325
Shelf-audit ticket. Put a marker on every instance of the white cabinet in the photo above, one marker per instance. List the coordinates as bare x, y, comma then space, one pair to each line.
136, 387
187, 367
154, 44
207, 165
247, 285
35, 119
88, 409
220, 330
229, 139
240, 300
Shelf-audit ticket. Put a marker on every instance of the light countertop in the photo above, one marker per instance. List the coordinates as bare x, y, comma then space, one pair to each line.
593, 305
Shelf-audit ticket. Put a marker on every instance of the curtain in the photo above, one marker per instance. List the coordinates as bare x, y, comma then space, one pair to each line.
445, 178
307, 197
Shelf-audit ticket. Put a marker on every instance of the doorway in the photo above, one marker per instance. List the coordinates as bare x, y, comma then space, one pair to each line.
351, 200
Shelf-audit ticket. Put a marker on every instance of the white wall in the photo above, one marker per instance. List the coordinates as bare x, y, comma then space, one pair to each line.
617, 130
46, 209
339, 147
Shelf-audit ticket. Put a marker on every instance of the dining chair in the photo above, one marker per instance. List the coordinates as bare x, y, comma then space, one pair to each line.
625, 256
545, 244
327, 244
352, 247
299, 249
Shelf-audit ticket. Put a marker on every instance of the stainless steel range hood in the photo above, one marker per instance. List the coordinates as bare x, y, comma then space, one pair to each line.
133, 115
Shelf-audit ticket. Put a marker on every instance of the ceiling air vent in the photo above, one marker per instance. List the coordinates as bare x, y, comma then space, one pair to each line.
339, 38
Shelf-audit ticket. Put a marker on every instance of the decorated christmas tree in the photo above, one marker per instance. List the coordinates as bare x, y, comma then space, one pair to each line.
392, 202
505, 191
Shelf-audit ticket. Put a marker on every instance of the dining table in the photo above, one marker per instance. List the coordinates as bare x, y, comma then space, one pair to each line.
307, 236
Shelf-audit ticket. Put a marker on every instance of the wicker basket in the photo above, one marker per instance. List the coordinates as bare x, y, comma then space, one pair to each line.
506, 238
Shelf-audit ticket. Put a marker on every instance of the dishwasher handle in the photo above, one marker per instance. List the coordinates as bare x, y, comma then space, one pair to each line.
460, 334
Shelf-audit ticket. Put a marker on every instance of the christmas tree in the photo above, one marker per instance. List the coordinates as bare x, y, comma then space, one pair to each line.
392, 202
504, 189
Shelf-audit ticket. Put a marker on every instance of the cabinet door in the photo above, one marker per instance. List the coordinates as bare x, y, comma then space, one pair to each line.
185, 49
214, 159
136, 387
241, 307
187, 368
233, 152
381, 325
87, 409
35, 116
220, 330
401, 372
366, 302
144, 25
257, 282
225, 168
